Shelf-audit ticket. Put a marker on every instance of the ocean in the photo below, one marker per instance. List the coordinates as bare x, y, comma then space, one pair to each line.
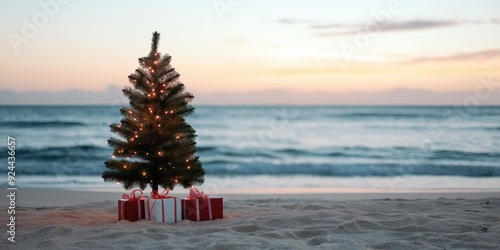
397, 147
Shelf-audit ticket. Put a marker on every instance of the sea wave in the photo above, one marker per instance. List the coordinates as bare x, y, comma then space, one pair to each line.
225, 154
231, 168
384, 115
349, 170
40, 124
462, 155
59, 153
330, 141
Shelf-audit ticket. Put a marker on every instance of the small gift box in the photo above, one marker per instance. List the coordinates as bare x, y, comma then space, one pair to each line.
198, 206
163, 208
131, 207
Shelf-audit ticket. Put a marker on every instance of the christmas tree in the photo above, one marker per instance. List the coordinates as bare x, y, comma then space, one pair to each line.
158, 146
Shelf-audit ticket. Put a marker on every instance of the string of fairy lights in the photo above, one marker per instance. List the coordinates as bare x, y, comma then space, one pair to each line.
157, 119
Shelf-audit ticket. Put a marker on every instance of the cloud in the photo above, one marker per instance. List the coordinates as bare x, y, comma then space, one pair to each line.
340, 29
391, 27
479, 55
332, 26
418, 25
293, 21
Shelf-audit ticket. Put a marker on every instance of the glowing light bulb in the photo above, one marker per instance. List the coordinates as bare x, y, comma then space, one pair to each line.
149, 95
124, 166
113, 156
176, 180
177, 137
188, 167
159, 125
187, 160
157, 117
171, 112
143, 173
130, 112
136, 136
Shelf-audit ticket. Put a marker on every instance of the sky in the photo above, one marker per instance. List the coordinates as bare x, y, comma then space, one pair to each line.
242, 46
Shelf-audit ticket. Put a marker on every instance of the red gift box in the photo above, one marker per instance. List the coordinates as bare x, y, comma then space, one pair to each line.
205, 208
131, 207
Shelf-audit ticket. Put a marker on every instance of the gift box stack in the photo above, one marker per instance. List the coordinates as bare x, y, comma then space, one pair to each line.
164, 208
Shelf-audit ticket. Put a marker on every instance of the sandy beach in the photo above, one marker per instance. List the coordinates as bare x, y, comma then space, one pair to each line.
365, 124
363, 221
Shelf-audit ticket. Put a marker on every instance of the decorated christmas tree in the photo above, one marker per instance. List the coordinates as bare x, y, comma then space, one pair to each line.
157, 145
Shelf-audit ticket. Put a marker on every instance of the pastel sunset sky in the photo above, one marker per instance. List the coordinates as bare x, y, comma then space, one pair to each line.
258, 45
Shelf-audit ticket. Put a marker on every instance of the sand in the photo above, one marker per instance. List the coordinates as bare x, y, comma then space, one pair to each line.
251, 223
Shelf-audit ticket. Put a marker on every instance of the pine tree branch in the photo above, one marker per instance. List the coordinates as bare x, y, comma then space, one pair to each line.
155, 42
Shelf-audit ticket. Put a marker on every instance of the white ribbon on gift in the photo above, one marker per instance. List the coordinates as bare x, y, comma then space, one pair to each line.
198, 209
139, 207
